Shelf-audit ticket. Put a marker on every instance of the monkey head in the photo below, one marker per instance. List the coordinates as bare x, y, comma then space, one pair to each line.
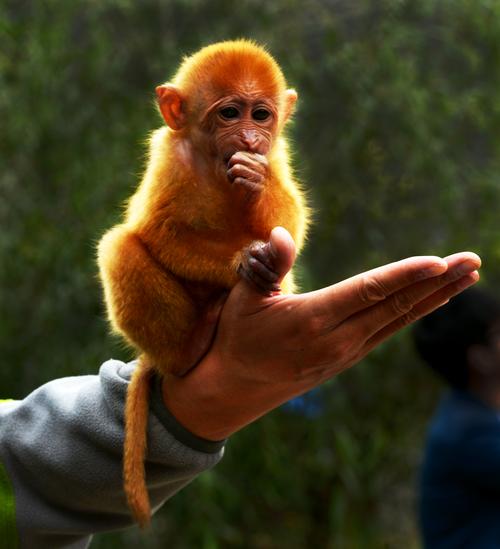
226, 98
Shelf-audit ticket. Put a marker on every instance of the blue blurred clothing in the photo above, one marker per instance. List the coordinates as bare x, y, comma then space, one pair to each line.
310, 405
460, 480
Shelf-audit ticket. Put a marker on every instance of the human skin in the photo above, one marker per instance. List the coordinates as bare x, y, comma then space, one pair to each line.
269, 349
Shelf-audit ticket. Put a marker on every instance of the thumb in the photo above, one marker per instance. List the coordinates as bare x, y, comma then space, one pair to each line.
282, 249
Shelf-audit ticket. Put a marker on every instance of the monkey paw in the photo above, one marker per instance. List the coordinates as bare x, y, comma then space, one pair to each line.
258, 268
249, 171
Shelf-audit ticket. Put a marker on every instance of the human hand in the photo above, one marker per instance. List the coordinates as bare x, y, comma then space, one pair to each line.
269, 349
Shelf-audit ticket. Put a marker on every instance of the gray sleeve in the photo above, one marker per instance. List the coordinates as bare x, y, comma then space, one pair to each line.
62, 449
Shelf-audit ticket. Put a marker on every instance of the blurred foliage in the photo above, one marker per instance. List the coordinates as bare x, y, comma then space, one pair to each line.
398, 139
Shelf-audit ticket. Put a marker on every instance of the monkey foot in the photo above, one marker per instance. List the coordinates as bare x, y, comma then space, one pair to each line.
258, 267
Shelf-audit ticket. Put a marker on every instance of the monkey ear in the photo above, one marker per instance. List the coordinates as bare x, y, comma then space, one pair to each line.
171, 106
290, 100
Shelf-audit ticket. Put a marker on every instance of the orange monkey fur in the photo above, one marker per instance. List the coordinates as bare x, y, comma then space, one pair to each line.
188, 225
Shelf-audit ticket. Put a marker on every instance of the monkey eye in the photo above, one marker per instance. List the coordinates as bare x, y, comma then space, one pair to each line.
261, 114
229, 112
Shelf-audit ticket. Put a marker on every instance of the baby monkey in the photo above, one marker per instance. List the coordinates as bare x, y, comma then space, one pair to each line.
217, 182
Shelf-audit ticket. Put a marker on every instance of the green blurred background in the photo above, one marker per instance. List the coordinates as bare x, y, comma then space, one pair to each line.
397, 137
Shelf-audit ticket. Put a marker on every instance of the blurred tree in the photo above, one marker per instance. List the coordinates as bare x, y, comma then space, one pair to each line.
398, 140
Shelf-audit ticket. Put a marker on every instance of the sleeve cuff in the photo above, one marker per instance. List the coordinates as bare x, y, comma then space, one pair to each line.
175, 428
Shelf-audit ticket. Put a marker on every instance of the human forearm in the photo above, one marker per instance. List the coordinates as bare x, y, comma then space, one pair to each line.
62, 449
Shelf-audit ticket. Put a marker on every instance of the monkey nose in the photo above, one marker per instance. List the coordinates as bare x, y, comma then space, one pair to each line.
250, 139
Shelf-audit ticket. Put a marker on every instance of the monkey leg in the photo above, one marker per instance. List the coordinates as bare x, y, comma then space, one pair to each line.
258, 267
150, 307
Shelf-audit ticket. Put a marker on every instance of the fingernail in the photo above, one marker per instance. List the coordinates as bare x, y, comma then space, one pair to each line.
429, 272
464, 268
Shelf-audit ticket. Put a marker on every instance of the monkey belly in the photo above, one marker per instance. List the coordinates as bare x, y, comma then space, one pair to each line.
146, 304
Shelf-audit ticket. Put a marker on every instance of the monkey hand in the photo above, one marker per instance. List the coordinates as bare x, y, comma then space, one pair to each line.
262, 266
248, 171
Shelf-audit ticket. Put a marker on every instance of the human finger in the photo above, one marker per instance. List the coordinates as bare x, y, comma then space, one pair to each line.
354, 353
426, 306
365, 290
283, 251
403, 303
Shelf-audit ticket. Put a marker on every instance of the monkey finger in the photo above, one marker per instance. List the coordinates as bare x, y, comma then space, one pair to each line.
261, 269
253, 160
239, 170
263, 286
264, 267
250, 186
258, 169
239, 157
258, 163
262, 251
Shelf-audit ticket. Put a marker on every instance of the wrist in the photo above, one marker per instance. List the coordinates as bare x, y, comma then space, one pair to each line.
212, 402
189, 402
175, 428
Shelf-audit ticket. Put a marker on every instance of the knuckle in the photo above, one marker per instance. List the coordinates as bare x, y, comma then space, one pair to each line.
314, 327
402, 303
371, 290
237, 168
253, 263
256, 246
450, 276
238, 156
409, 318
256, 187
261, 161
252, 174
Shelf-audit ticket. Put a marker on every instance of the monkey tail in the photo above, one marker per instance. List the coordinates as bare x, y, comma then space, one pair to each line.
134, 454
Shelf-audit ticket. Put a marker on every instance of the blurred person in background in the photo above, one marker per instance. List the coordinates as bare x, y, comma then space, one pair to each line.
460, 477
